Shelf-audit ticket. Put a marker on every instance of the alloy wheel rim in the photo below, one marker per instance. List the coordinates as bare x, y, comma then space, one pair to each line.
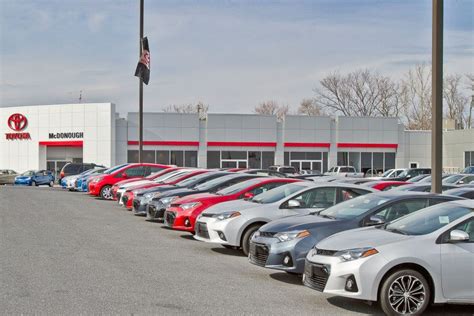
107, 193
406, 294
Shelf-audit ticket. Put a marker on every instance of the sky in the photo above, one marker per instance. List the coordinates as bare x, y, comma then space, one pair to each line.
231, 55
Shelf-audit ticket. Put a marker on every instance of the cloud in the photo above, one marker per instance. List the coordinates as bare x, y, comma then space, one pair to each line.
95, 21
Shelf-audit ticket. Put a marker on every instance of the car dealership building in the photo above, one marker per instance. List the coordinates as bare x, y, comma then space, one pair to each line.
48, 136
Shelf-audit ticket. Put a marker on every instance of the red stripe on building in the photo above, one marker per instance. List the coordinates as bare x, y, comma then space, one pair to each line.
366, 145
312, 145
164, 143
62, 143
242, 144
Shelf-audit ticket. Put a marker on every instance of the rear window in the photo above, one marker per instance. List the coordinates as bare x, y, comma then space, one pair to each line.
72, 168
287, 170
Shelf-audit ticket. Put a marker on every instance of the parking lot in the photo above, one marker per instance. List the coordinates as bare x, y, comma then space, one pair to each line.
67, 253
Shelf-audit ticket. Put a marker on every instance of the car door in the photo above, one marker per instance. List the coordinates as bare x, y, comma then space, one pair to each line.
38, 177
457, 264
310, 201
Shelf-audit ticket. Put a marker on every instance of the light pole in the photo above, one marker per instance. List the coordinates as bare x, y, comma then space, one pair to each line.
140, 93
437, 97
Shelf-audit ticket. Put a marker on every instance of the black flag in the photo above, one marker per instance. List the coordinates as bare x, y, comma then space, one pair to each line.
143, 67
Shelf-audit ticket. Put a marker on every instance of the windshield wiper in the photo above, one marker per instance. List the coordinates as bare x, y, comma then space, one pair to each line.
396, 231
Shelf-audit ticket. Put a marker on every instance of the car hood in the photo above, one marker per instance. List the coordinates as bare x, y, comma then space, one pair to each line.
134, 183
298, 222
236, 205
361, 237
194, 198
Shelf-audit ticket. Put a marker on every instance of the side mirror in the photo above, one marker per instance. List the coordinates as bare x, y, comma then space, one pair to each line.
461, 182
374, 221
294, 204
248, 195
408, 176
124, 175
458, 236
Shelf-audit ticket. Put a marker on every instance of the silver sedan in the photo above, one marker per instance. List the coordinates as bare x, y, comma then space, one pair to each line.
427, 256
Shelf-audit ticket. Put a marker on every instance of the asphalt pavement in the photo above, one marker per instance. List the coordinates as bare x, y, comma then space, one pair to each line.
68, 253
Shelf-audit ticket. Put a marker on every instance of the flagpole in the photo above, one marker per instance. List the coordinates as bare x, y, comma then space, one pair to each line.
140, 93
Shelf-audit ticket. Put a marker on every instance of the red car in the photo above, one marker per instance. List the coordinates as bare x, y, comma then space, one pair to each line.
183, 212
384, 185
151, 177
129, 194
102, 185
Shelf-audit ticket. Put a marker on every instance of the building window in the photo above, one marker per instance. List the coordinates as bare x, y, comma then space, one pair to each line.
213, 159
268, 159
179, 158
376, 161
255, 159
468, 158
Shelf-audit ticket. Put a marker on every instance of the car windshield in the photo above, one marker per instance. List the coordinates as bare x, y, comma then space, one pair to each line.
214, 182
109, 171
28, 173
194, 179
428, 220
175, 177
238, 187
354, 207
167, 175
387, 173
277, 194
453, 178
417, 178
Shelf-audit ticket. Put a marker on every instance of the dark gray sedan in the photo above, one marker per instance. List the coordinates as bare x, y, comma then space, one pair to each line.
7, 176
283, 244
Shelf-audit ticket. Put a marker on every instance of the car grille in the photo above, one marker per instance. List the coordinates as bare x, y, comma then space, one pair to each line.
325, 252
136, 204
170, 217
258, 254
267, 234
315, 276
201, 230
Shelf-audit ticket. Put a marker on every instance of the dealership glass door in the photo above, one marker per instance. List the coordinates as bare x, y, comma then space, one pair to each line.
233, 163
55, 166
307, 165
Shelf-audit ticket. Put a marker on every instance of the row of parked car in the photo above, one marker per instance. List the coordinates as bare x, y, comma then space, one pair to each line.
381, 240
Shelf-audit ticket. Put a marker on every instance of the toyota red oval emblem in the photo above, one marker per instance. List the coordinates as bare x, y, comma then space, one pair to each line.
17, 122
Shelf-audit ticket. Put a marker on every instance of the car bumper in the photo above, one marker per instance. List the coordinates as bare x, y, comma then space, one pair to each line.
288, 256
138, 207
93, 189
155, 212
22, 182
179, 222
330, 275
119, 194
211, 230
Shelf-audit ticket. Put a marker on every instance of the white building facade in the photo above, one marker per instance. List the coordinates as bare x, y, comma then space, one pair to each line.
55, 134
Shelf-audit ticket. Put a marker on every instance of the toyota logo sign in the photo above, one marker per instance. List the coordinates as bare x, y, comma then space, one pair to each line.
17, 122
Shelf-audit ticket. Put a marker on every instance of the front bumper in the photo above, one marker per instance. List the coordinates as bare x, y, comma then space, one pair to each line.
155, 211
94, 189
330, 275
212, 230
175, 220
138, 207
22, 182
289, 256
119, 194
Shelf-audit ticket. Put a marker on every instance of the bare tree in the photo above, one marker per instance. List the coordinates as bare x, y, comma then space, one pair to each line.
200, 107
415, 97
470, 79
272, 108
310, 108
455, 102
359, 93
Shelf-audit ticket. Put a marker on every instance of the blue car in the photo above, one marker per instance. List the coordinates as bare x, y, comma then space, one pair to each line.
35, 177
81, 180
85, 182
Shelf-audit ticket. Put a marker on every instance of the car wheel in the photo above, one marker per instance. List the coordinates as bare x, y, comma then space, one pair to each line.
405, 292
33, 183
245, 244
51, 184
106, 192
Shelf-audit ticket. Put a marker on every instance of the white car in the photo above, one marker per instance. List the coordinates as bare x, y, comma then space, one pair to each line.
233, 223
165, 177
422, 258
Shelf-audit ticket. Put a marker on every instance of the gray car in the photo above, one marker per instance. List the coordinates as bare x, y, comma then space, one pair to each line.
283, 244
233, 223
425, 257
7, 176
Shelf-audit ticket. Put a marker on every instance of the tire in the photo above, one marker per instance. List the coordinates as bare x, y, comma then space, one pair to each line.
396, 304
51, 184
33, 183
106, 192
245, 243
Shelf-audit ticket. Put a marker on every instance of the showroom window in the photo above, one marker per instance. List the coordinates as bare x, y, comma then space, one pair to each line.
180, 158
313, 160
468, 158
379, 162
240, 159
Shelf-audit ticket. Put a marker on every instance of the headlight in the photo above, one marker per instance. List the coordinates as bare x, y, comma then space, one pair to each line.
356, 253
188, 206
287, 236
227, 215
96, 180
167, 201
